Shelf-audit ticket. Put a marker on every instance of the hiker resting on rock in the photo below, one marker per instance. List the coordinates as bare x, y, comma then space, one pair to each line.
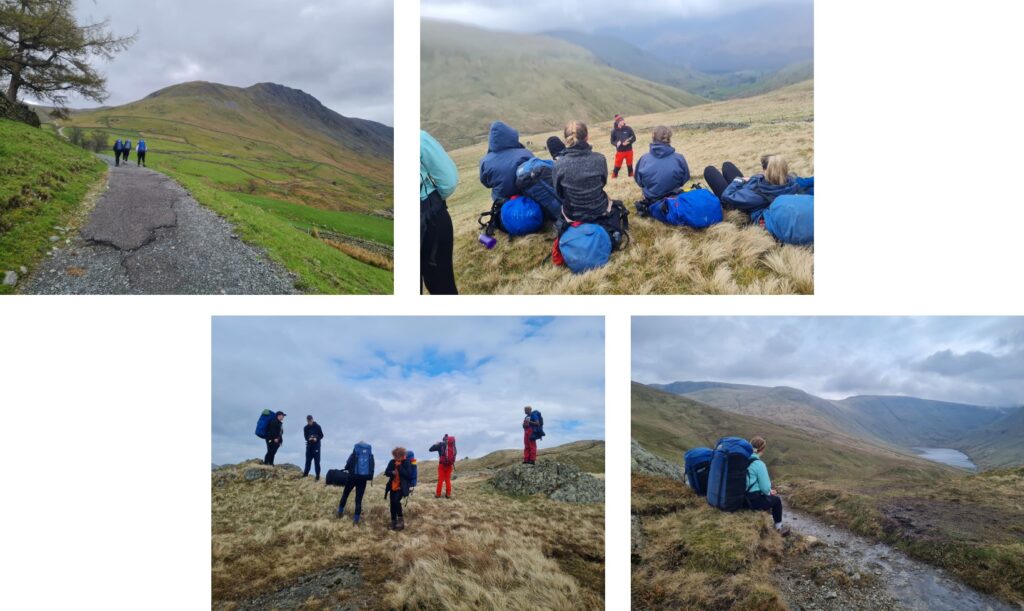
662, 172
357, 478
580, 177
313, 434
622, 139
529, 436
504, 156
446, 452
755, 194
760, 494
275, 437
399, 475
438, 180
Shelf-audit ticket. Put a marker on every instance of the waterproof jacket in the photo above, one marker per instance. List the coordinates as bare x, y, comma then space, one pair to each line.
626, 135
313, 430
142, 146
118, 146
350, 466
754, 195
757, 477
504, 156
661, 172
579, 178
275, 430
404, 475
437, 170
127, 145
441, 447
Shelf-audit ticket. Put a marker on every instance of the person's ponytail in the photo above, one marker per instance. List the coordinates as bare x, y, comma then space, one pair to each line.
575, 133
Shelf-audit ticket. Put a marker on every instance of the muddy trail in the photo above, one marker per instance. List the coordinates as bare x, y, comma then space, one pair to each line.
841, 570
147, 235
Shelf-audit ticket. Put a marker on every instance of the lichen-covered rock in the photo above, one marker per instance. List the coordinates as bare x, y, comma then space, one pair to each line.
643, 461
18, 112
557, 481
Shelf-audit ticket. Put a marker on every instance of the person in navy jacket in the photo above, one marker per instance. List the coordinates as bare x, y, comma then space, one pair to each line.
662, 171
504, 156
752, 195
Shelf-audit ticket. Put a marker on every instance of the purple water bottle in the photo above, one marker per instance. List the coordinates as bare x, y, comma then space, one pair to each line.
488, 241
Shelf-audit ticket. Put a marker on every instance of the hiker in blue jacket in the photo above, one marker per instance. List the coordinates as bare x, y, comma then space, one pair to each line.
438, 179
755, 194
355, 481
760, 494
504, 156
661, 172
118, 147
127, 149
140, 153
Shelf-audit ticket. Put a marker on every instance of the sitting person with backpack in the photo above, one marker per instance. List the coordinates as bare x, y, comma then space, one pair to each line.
580, 176
399, 475
760, 494
504, 156
360, 470
752, 195
446, 453
662, 172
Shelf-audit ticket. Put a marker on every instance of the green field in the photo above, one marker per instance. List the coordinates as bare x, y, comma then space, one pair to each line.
359, 225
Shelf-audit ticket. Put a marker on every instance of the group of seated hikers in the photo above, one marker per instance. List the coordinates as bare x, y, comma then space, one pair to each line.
734, 477
569, 191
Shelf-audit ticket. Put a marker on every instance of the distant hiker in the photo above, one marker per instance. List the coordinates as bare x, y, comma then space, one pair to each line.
446, 453
399, 474
438, 180
580, 177
533, 426
140, 153
127, 149
275, 437
360, 469
755, 194
622, 138
661, 172
760, 494
313, 434
118, 149
504, 156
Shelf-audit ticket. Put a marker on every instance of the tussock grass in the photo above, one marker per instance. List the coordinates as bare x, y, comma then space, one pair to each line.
732, 257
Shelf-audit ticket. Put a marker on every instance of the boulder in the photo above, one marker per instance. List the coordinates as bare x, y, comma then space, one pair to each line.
18, 112
557, 481
642, 461
10, 278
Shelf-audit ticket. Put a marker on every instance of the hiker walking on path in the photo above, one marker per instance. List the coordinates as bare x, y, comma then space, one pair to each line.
760, 494
446, 452
580, 177
399, 474
313, 434
622, 139
127, 149
755, 194
662, 172
274, 438
533, 429
140, 153
438, 179
360, 470
118, 149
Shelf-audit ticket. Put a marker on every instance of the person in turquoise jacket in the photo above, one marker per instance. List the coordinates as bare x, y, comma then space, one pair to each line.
760, 494
438, 179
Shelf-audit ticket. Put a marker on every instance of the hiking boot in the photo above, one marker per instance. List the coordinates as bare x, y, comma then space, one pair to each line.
437, 496
355, 520
401, 524
339, 514
317, 478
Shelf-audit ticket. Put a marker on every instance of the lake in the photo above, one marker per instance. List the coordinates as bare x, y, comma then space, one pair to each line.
947, 456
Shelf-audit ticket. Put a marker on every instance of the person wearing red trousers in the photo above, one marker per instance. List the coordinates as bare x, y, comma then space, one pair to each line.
445, 465
529, 443
622, 139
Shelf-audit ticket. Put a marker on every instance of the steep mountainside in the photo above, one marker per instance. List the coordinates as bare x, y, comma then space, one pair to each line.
996, 445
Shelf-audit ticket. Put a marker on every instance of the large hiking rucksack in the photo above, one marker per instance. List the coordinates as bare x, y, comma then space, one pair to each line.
534, 179
516, 216
364, 453
411, 457
261, 424
336, 477
790, 218
727, 479
585, 247
448, 452
697, 208
142, 146
805, 185
537, 424
697, 463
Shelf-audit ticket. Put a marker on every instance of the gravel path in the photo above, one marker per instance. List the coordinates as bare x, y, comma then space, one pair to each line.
147, 235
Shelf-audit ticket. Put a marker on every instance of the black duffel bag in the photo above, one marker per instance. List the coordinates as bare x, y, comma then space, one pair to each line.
336, 477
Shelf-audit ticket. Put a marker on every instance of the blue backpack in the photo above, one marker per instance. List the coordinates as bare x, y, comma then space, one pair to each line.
411, 457
727, 478
698, 208
142, 146
118, 146
261, 424
534, 179
584, 247
806, 185
790, 219
697, 463
364, 454
521, 216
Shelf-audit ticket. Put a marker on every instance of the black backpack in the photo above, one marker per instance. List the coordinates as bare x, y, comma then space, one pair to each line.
336, 477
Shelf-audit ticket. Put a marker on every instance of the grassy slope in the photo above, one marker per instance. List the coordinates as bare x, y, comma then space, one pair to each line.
469, 77
999, 444
731, 257
472, 549
42, 183
585, 455
969, 525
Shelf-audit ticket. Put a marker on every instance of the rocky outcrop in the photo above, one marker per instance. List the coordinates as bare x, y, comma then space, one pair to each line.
643, 461
557, 481
18, 112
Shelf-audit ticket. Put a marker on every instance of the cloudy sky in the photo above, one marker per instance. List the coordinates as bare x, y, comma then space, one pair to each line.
405, 381
969, 360
586, 15
339, 51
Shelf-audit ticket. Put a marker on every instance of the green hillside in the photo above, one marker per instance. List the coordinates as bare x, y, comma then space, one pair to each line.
470, 77
43, 181
997, 445
585, 455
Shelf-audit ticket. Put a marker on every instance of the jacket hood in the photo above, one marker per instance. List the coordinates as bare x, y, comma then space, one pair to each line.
662, 150
760, 184
502, 138
582, 147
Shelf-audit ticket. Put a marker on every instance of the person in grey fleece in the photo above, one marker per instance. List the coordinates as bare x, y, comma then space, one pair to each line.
580, 177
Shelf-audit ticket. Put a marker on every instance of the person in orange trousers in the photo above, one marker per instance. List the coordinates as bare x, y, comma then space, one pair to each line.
529, 443
445, 465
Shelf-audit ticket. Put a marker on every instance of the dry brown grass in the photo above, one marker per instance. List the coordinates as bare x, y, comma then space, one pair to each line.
361, 254
732, 257
481, 549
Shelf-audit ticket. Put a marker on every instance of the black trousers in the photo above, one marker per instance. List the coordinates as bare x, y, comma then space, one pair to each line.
396, 505
117, 158
764, 502
437, 238
126, 153
312, 456
272, 447
141, 156
718, 181
360, 486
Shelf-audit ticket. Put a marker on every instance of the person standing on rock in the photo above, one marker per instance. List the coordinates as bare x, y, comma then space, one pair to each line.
140, 153
622, 138
313, 434
446, 463
760, 494
118, 148
399, 474
531, 422
360, 469
274, 438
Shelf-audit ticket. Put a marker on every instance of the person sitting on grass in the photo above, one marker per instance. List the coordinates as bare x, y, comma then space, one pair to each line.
760, 494
662, 172
752, 195
399, 475
580, 176
504, 156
